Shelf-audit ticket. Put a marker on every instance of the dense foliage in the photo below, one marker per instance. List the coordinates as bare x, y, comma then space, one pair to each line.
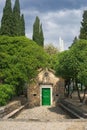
83, 30
72, 64
51, 49
52, 55
12, 23
20, 59
38, 32
6, 93
80, 51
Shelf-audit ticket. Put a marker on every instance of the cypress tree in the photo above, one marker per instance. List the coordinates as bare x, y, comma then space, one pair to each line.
22, 25
38, 32
6, 21
41, 36
74, 41
83, 29
17, 19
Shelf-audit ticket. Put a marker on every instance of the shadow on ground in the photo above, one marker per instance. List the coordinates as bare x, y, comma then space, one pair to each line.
58, 110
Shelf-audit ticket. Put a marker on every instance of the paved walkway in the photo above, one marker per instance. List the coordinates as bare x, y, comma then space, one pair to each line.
57, 125
43, 118
43, 113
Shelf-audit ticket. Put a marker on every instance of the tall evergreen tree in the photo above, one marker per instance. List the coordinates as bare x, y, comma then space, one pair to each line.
74, 41
22, 25
6, 21
41, 35
38, 32
83, 30
17, 19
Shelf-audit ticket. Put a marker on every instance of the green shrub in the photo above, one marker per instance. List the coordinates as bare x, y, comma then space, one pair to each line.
6, 93
20, 58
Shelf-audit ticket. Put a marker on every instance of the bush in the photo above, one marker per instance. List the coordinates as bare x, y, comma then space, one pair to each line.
6, 93
20, 59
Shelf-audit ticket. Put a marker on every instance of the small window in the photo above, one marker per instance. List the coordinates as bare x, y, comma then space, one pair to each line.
34, 94
46, 74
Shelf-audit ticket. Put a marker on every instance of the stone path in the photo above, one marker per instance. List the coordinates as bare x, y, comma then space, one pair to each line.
43, 118
43, 113
57, 125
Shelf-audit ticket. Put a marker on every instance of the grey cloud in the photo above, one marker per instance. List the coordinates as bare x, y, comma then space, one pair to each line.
55, 24
51, 5
58, 17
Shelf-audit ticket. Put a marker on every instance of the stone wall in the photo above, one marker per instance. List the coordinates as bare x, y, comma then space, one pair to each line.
58, 91
33, 95
9, 108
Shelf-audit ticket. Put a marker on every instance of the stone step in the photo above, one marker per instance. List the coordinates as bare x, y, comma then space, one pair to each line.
13, 113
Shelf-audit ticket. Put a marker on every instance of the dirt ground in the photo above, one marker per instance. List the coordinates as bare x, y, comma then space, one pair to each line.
75, 100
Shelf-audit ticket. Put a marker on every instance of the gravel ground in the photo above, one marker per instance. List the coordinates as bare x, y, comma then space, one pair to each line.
43, 113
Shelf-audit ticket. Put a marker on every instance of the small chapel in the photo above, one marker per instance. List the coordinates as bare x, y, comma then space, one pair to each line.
46, 89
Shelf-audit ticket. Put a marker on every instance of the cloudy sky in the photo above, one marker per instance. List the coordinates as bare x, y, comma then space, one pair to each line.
60, 18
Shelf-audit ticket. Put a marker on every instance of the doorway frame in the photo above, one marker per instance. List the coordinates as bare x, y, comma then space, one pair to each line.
46, 86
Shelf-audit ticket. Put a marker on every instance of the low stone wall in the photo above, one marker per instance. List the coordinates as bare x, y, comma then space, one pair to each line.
9, 108
75, 109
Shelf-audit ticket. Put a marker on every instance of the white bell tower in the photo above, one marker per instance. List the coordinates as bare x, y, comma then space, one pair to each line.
61, 44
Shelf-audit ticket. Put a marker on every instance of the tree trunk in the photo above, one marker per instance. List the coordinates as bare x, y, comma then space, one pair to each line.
79, 96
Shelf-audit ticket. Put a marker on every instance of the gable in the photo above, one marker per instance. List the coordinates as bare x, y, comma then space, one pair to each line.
47, 76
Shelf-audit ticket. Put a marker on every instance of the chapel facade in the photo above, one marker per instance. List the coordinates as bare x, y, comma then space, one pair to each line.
46, 89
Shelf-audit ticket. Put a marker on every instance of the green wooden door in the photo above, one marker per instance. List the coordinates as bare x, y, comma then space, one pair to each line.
46, 98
